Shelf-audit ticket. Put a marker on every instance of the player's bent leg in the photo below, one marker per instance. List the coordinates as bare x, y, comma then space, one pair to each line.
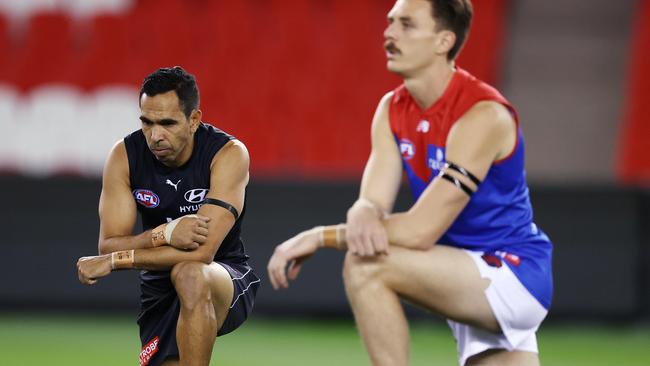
443, 279
205, 293
377, 312
502, 357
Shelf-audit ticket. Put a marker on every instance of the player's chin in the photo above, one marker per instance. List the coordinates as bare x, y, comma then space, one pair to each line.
393, 66
164, 158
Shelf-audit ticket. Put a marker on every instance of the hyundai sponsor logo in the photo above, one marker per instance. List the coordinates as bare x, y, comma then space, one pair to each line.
196, 195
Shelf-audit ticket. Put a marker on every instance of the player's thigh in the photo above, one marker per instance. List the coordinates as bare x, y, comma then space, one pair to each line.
443, 279
222, 290
501, 357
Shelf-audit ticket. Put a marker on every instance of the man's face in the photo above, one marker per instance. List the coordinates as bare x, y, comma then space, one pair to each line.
411, 41
168, 132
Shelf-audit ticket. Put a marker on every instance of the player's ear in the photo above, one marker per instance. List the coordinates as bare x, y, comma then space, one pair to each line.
445, 41
195, 119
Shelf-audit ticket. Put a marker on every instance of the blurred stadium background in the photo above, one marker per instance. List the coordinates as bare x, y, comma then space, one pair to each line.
298, 81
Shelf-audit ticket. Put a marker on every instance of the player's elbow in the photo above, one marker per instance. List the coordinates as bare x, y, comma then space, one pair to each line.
424, 245
420, 240
410, 231
103, 247
414, 237
206, 259
415, 232
203, 255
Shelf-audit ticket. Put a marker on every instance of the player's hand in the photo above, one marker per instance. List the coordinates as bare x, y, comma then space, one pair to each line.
190, 233
293, 252
365, 234
91, 268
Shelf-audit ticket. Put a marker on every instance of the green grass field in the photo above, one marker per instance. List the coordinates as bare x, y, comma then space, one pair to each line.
112, 340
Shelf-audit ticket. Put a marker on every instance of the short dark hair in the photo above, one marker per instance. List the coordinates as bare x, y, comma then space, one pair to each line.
177, 79
456, 16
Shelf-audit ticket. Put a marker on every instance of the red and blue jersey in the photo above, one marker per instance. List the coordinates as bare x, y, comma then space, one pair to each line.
498, 219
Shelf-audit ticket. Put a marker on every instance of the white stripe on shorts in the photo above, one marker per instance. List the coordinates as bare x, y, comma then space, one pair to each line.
243, 292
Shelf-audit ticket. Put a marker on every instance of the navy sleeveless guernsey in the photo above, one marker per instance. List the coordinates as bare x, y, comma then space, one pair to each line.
164, 194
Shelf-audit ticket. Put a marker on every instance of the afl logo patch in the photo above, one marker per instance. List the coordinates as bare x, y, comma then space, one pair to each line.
146, 198
196, 195
407, 149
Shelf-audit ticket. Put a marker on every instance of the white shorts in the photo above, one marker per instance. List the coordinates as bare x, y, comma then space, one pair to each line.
519, 314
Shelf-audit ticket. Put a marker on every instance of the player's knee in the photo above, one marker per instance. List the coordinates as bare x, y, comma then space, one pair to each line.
503, 357
359, 272
191, 283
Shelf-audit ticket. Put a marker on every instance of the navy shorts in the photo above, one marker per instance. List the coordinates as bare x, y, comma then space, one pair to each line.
160, 307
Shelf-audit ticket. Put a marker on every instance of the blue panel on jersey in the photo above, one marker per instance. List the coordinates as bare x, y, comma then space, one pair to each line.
417, 184
435, 159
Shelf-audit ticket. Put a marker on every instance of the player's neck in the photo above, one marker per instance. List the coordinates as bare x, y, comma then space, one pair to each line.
427, 86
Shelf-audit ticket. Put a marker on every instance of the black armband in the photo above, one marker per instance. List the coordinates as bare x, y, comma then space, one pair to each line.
463, 171
220, 203
457, 183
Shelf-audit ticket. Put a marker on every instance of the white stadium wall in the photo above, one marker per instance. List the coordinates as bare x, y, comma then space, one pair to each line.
21, 9
58, 129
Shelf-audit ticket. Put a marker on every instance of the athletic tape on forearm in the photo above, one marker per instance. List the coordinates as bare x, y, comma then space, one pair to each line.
162, 234
332, 236
158, 236
169, 230
123, 259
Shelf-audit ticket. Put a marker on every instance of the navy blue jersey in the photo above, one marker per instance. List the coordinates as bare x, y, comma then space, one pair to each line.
163, 194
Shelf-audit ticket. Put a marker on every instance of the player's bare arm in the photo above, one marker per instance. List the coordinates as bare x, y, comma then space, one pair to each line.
486, 133
215, 223
292, 254
381, 180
